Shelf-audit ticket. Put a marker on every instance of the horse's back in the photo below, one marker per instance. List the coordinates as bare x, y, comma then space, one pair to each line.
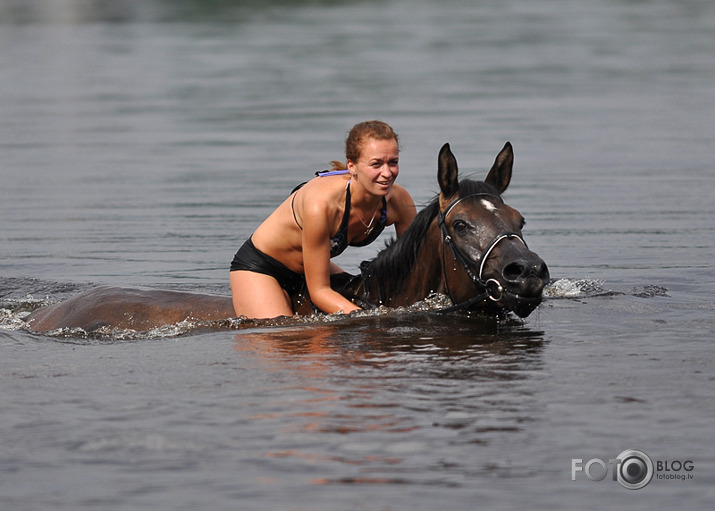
136, 309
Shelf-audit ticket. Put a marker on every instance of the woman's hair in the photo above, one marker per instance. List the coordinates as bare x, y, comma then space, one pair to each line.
362, 131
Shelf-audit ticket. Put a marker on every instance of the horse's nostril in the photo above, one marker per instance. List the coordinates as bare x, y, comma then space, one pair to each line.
514, 271
520, 270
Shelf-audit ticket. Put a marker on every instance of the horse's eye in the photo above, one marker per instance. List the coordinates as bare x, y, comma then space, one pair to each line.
459, 226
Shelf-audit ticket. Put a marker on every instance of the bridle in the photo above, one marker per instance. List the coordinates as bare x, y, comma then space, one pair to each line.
492, 289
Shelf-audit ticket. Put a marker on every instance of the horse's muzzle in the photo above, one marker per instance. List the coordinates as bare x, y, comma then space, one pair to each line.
523, 281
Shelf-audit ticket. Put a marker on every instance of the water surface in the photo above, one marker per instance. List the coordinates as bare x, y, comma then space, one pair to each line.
142, 144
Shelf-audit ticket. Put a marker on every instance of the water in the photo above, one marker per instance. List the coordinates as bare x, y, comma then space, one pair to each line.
142, 144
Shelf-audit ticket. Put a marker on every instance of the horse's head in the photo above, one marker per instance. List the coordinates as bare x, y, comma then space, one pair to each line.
485, 258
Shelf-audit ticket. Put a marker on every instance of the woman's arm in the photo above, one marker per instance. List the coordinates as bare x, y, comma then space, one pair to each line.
316, 260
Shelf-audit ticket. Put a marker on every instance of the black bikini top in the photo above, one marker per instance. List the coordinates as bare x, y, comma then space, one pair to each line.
339, 242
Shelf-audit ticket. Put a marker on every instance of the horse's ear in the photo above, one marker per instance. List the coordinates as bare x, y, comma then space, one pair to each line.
500, 174
447, 173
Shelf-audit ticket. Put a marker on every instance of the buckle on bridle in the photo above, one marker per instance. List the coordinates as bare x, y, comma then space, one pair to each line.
494, 289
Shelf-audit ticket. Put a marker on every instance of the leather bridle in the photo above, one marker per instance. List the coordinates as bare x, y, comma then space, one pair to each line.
492, 289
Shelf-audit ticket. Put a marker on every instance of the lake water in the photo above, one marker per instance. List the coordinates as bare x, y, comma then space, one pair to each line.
141, 144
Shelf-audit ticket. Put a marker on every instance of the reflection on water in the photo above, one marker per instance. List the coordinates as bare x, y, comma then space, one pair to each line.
394, 381
467, 338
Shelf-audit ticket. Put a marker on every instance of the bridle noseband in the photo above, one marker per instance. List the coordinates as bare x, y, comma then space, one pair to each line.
493, 290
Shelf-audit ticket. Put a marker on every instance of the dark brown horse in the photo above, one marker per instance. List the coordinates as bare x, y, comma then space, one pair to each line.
466, 244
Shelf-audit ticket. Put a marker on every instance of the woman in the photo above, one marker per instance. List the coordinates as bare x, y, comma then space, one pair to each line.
350, 205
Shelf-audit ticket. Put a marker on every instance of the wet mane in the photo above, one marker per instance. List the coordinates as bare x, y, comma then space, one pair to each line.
395, 261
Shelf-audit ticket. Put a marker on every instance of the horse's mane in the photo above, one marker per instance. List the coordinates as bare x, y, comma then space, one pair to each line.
394, 262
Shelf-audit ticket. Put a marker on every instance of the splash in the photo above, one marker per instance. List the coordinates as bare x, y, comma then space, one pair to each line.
575, 288
589, 288
13, 311
10, 320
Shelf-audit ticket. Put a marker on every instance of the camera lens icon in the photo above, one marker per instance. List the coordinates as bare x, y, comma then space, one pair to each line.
635, 469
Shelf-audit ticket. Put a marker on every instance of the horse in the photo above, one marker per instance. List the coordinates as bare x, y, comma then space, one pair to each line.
466, 244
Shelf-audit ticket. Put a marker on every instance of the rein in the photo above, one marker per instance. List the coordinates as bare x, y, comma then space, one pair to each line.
492, 289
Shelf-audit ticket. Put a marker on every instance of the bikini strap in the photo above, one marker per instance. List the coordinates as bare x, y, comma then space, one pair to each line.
292, 208
323, 173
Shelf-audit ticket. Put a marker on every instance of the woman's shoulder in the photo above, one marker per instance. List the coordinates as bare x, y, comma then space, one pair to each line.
325, 188
399, 196
322, 194
401, 208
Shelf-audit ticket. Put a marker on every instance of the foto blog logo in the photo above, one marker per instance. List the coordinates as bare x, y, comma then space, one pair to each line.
633, 469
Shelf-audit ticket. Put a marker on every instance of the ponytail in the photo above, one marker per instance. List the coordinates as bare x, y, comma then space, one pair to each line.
338, 165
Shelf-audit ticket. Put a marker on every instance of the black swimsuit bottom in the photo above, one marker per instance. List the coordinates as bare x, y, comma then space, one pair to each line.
250, 258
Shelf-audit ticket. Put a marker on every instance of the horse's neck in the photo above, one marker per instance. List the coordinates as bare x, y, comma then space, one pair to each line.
414, 282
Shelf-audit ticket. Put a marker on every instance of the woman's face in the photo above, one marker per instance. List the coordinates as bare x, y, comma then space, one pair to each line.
378, 165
